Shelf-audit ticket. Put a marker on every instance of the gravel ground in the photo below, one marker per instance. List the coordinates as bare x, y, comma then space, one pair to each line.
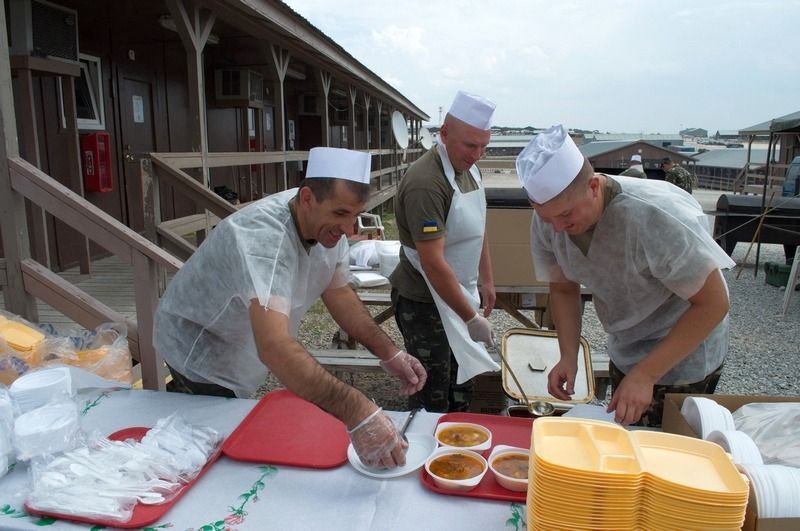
764, 350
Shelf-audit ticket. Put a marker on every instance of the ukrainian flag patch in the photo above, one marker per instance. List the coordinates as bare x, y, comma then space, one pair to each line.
430, 226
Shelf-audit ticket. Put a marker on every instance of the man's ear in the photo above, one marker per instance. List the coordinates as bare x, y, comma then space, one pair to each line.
305, 197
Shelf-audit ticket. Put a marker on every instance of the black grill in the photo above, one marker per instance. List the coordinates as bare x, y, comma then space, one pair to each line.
736, 220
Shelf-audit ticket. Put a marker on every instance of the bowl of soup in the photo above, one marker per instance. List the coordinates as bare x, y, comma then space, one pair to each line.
510, 467
465, 435
456, 469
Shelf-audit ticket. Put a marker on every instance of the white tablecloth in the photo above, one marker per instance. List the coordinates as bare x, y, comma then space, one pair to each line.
240, 496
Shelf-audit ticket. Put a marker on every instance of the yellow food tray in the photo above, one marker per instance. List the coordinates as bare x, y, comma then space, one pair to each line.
19, 336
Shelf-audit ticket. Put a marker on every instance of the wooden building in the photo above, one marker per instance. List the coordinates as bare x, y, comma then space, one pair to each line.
614, 156
121, 118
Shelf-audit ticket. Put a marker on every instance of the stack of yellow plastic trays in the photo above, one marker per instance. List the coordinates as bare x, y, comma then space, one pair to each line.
690, 484
595, 475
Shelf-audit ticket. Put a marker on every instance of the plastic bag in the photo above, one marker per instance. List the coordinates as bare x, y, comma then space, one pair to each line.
52, 428
775, 428
103, 351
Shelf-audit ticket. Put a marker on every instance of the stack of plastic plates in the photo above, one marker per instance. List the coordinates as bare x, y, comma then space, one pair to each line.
737, 443
596, 475
704, 416
689, 484
36, 388
776, 489
584, 475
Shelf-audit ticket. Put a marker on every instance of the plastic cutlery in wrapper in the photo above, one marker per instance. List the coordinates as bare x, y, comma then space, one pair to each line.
106, 478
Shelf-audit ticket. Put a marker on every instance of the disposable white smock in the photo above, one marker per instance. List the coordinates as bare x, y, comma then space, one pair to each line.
203, 325
651, 251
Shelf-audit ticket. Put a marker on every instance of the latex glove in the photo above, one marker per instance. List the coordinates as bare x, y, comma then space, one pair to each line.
408, 370
377, 442
480, 329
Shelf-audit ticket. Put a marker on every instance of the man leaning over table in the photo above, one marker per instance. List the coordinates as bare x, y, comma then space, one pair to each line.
643, 248
441, 219
232, 312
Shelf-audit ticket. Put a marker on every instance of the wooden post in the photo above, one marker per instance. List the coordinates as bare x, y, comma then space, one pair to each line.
14, 228
378, 106
151, 197
29, 144
352, 113
325, 79
145, 282
367, 140
280, 65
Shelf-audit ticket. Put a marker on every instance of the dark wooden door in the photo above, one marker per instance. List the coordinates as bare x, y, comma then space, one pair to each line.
137, 138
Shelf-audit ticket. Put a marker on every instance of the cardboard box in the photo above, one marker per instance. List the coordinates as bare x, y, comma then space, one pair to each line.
488, 397
673, 422
509, 233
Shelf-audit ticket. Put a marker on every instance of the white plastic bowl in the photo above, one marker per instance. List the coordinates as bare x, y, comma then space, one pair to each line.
508, 482
456, 484
477, 447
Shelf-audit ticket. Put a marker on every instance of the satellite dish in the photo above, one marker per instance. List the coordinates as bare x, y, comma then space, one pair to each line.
425, 138
400, 129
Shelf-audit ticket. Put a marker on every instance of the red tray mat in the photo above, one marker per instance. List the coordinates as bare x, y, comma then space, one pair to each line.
513, 431
284, 429
143, 515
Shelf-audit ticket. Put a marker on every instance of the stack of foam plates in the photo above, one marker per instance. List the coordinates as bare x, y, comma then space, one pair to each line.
737, 443
776, 489
704, 416
584, 475
45, 430
596, 475
689, 484
36, 388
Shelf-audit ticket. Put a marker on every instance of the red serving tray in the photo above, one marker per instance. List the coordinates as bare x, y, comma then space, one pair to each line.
284, 429
143, 515
512, 431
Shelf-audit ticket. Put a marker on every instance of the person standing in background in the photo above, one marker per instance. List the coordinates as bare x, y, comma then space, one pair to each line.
635, 169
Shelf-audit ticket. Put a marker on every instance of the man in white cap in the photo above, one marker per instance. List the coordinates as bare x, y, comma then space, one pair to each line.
233, 310
643, 249
635, 169
441, 216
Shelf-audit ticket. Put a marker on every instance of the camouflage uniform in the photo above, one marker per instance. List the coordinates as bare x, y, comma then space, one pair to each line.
181, 384
652, 417
425, 339
681, 178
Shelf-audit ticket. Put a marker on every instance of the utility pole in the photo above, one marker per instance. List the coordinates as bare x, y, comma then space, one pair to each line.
440, 115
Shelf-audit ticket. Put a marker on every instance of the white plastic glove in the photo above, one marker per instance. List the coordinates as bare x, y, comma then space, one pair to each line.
480, 329
377, 442
408, 370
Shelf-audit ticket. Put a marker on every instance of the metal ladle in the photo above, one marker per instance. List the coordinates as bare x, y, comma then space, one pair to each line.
537, 408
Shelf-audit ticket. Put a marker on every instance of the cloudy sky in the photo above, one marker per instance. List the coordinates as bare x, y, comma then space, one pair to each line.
612, 65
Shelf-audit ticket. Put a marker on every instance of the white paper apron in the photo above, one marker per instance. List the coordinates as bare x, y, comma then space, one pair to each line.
466, 222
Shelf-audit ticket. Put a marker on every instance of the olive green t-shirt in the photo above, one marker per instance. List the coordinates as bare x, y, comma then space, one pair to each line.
421, 205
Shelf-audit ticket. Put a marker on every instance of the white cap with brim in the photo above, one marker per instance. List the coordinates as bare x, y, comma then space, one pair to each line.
548, 164
337, 163
473, 110
636, 158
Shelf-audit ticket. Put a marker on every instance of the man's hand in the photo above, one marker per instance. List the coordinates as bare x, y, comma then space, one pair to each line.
408, 370
480, 329
632, 398
561, 380
488, 298
377, 442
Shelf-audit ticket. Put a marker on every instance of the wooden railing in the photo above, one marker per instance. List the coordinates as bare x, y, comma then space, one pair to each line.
147, 260
169, 168
748, 181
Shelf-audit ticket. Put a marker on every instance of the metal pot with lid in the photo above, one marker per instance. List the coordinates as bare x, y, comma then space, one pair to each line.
528, 356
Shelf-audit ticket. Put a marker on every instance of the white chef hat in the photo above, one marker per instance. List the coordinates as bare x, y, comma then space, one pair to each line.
636, 158
473, 110
549, 162
337, 163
